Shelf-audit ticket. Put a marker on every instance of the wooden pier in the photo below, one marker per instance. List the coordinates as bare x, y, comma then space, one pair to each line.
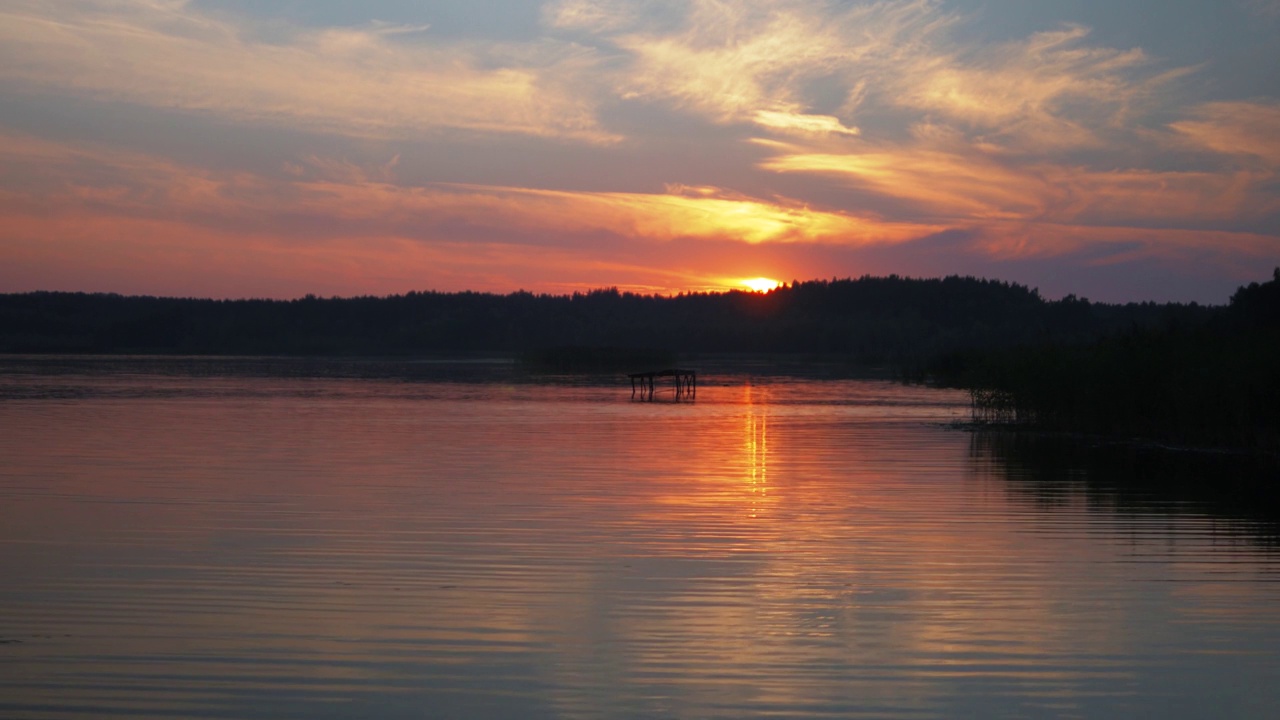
686, 383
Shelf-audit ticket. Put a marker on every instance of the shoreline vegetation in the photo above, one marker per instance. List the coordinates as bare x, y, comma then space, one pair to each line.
1182, 374
1212, 383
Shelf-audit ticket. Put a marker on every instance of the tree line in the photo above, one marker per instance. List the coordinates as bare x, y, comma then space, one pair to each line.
891, 320
1211, 380
1171, 371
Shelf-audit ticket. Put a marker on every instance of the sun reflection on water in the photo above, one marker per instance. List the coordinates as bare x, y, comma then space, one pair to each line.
756, 448
780, 547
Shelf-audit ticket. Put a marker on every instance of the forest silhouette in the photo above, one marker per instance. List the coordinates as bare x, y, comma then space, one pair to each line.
891, 320
1169, 371
1205, 379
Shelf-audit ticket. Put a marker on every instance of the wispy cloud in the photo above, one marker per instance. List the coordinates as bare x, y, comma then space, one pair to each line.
803, 124
753, 62
705, 213
817, 68
841, 129
966, 186
1047, 93
947, 184
1248, 129
316, 204
378, 80
70, 175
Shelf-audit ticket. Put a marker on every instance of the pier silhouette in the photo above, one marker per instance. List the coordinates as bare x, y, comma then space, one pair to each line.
686, 383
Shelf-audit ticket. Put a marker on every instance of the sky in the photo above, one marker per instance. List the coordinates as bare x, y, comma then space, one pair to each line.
1120, 150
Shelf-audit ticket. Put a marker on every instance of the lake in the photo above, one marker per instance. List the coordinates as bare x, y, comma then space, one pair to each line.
253, 538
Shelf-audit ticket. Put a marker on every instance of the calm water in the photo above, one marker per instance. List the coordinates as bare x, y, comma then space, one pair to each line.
309, 540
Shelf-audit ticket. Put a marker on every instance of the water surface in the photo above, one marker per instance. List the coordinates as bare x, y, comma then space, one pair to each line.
270, 539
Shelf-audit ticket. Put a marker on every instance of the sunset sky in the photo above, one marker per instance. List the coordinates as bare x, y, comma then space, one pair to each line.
1115, 149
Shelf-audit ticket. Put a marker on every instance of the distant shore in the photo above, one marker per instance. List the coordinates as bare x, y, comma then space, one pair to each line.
1183, 375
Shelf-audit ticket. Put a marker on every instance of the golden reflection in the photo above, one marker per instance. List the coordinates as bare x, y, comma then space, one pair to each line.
475, 538
756, 449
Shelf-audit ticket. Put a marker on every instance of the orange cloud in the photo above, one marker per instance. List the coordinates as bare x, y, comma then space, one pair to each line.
337, 222
940, 183
962, 185
346, 228
1103, 245
1163, 198
665, 216
1247, 129
135, 183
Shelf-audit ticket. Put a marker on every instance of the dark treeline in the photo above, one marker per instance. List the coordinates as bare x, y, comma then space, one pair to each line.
1182, 373
1213, 380
890, 322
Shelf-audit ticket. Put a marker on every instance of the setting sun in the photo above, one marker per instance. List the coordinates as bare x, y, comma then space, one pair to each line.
760, 284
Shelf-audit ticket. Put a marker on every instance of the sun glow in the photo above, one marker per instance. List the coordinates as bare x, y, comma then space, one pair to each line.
760, 284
